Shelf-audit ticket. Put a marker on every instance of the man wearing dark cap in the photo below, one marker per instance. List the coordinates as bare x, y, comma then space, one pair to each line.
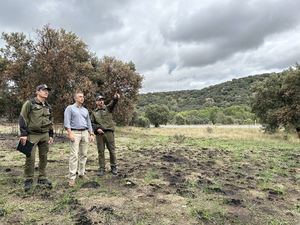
104, 126
36, 126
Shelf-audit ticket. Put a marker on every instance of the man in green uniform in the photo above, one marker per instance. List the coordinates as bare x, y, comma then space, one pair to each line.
104, 127
36, 126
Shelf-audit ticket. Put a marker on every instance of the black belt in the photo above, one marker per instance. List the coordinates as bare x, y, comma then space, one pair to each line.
79, 129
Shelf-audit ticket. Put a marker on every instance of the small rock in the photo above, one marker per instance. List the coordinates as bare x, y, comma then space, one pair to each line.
129, 183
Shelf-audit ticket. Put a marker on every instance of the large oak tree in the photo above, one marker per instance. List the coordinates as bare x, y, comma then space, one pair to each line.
116, 76
277, 100
62, 60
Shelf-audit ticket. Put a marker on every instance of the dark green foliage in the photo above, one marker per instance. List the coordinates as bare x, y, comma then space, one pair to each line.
179, 119
142, 121
230, 93
116, 76
157, 114
217, 115
226, 103
276, 101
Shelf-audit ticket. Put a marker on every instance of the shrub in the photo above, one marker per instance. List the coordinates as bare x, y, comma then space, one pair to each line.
142, 121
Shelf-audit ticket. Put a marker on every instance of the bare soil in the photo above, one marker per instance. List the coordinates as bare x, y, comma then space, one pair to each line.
161, 184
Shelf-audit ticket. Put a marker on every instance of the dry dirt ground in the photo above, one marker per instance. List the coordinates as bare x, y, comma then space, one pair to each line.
162, 179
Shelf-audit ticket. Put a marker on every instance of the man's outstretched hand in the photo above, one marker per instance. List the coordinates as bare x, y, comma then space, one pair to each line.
116, 95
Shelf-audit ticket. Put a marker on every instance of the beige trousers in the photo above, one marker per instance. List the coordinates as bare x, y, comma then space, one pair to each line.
78, 153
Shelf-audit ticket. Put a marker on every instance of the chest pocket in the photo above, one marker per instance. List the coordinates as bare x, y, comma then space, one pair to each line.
103, 117
40, 110
36, 111
47, 111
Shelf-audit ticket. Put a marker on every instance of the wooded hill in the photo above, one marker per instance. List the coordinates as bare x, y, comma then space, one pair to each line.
230, 93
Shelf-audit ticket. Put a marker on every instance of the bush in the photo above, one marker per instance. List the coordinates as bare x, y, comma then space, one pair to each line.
142, 122
179, 119
157, 114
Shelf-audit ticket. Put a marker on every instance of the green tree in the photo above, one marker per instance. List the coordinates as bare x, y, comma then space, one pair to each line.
142, 121
179, 119
157, 114
276, 101
113, 76
62, 60
15, 60
58, 58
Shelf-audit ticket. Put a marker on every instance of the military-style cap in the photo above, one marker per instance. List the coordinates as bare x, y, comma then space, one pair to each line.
42, 87
100, 96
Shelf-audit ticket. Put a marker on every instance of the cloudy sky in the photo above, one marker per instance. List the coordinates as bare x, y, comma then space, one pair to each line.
175, 44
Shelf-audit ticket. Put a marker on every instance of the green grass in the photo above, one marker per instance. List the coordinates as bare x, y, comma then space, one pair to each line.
182, 176
150, 176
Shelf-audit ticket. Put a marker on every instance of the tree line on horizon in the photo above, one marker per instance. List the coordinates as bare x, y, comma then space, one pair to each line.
225, 103
271, 99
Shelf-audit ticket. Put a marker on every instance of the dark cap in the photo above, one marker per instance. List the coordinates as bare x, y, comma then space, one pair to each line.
42, 87
100, 96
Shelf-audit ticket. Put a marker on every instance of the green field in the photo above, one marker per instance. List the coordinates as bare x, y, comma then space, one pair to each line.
208, 175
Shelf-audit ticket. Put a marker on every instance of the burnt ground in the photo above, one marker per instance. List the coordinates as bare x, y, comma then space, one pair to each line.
162, 183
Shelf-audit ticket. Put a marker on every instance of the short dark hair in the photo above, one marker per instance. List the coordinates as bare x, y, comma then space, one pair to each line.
78, 92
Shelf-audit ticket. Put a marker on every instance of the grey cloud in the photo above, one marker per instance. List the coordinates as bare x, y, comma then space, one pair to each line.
176, 44
181, 78
17, 14
89, 18
200, 55
277, 55
171, 67
242, 18
85, 18
229, 28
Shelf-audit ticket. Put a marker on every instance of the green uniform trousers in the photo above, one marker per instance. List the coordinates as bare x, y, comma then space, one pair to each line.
41, 142
108, 139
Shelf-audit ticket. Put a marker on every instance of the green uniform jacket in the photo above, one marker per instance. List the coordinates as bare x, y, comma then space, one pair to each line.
103, 118
35, 118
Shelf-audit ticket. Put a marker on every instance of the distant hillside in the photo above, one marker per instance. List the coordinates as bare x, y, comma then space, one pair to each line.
234, 92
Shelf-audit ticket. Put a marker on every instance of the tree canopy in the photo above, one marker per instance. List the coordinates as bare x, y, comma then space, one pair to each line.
116, 76
229, 93
157, 114
276, 100
62, 60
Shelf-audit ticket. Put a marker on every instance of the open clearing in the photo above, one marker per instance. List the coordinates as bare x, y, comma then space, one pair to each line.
203, 175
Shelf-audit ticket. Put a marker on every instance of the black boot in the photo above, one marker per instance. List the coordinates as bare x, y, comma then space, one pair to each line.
44, 182
28, 184
114, 170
